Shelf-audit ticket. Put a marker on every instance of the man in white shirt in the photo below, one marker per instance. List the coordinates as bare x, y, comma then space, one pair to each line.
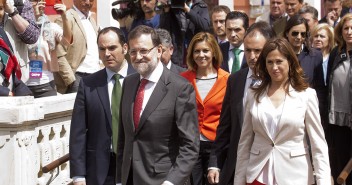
81, 57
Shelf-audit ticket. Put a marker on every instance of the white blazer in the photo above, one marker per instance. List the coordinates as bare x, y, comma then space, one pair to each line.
292, 165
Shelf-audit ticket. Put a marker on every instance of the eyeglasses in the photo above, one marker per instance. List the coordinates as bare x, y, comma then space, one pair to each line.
295, 34
142, 52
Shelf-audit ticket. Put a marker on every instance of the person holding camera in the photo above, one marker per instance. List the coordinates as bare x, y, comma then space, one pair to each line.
147, 16
191, 18
19, 23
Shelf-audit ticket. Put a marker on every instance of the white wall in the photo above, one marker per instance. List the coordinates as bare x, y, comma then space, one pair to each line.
104, 13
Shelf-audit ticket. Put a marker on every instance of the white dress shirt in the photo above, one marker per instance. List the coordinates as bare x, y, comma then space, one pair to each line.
153, 79
90, 63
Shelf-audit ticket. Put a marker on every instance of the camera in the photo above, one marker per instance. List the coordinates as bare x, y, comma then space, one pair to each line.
127, 7
171, 3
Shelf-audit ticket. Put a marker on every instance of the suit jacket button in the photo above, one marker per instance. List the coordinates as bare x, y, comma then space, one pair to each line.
272, 144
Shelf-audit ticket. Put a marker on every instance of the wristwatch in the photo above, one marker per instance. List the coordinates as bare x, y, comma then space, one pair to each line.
15, 12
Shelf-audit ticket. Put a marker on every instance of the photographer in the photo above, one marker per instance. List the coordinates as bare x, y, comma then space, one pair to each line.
192, 18
146, 15
19, 23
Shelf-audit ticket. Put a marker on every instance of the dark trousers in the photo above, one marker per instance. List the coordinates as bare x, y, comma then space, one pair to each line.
74, 86
110, 179
200, 170
339, 140
44, 90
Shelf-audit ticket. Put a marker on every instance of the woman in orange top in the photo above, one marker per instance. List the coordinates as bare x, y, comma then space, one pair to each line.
209, 81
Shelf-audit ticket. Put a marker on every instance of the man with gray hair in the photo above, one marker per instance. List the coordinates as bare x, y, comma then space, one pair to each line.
310, 14
167, 51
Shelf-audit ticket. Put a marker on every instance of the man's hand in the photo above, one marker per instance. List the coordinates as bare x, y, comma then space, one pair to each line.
123, 21
331, 17
186, 8
213, 176
8, 7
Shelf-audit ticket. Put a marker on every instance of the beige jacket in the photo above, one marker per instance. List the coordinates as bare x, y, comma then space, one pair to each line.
70, 57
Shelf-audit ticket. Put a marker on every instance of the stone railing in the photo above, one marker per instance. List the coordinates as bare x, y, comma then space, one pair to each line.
33, 133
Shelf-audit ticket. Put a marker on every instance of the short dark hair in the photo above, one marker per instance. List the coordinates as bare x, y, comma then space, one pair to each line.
309, 9
220, 8
142, 29
164, 36
294, 21
119, 33
238, 15
261, 27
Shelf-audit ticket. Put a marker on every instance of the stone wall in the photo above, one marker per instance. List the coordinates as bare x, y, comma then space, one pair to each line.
33, 133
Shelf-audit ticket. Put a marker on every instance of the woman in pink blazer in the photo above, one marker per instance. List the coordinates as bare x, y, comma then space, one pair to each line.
281, 112
209, 81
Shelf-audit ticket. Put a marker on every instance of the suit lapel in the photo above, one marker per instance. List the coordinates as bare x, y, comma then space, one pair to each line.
129, 94
79, 23
103, 94
260, 113
289, 104
157, 96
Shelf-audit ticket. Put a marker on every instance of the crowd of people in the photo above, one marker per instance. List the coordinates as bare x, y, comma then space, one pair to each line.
188, 94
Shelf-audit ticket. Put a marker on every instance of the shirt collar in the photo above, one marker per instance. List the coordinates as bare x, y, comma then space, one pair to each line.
241, 47
250, 73
169, 65
122, 72
80, 14
156, 74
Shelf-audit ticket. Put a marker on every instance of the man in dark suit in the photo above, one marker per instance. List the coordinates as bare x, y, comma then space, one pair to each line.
236, 24
168, 49
158, 135
333, 12
92, 159
222, 161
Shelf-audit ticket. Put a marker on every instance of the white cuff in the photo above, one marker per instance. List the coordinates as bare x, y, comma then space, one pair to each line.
78, 178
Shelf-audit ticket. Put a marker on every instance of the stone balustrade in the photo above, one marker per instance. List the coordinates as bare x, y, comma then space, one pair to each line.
33, 133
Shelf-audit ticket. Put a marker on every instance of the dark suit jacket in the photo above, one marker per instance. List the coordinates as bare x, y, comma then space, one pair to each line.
90, 135
224, 151
165, 145
225, 54
311, 63
176, 69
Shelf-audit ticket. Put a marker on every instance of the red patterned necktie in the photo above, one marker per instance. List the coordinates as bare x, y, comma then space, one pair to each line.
138, 102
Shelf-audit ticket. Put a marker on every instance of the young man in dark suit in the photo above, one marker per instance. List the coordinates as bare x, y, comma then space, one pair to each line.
158, 136
92, 154
222, 161
236, 24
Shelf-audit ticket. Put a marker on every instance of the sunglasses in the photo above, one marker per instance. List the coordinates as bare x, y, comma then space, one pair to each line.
295, 34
